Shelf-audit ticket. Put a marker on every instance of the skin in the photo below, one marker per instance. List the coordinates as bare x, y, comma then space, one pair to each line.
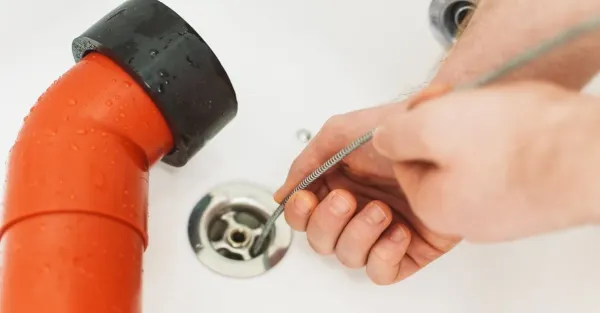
358, 211
519, 164
383, 211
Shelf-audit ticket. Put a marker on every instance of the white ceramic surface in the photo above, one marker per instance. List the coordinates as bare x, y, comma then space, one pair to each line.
294, 64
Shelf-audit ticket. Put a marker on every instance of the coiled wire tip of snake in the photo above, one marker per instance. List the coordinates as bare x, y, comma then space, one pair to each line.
334, 160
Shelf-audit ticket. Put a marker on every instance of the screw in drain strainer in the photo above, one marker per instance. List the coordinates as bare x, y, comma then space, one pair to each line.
224, 225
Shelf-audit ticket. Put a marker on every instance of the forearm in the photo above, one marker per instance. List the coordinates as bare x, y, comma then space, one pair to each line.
501, 29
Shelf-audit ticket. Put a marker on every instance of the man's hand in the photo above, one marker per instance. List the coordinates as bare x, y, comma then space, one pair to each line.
357, 210
494, 35
498, 163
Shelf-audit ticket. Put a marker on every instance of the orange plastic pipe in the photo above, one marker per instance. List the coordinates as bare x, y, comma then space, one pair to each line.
74, 224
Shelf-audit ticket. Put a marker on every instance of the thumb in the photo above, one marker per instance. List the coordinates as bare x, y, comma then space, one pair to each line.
401, 139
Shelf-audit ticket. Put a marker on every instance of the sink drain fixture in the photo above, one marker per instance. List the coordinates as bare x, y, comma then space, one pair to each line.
448, 18
224, 225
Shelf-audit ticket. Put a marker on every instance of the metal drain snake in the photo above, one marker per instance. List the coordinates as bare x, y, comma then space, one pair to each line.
357, 143
517, 62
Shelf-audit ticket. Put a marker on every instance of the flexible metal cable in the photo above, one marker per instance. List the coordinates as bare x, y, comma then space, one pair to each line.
309, 180
520, 60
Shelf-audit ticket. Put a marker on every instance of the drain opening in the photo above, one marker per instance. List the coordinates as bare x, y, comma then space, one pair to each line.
460, 16
225, 225
456, 16
238, 237
234, 229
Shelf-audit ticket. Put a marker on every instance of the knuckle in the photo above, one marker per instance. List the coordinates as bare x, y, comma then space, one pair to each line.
294, 222
334, 122
349, 262
318, 247
294, 211
446, 243
426, 257
356, 233
333, 132
381, 253
333, 127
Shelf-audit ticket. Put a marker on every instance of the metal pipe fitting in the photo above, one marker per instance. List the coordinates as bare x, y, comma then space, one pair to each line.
448, 17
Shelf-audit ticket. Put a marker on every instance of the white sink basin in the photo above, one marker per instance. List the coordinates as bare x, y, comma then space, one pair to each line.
294, 64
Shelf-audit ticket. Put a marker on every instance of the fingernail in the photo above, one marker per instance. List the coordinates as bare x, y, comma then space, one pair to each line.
339, 205
375, 214
301, 205
397, 234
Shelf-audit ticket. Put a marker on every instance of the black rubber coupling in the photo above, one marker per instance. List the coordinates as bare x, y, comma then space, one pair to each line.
173, 63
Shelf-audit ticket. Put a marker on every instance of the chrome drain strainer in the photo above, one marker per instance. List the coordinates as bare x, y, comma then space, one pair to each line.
224, 225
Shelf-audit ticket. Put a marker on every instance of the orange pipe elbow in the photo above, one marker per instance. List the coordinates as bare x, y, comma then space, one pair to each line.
146, 87
74, 226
